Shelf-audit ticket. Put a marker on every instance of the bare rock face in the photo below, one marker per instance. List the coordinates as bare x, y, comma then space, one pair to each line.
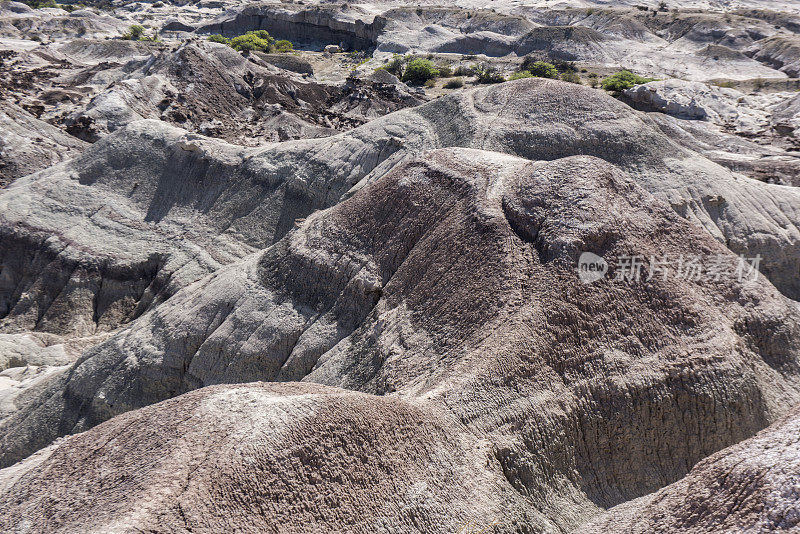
451, 281
733, 110
245, 291
748, 133
752, 157
56, 23
28, 144
210, 88
749, 487
247, 457
184, 205
780, 52
315, 26
786, 117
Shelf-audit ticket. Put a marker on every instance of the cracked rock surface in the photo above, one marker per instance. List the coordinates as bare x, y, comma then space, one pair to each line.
751, 486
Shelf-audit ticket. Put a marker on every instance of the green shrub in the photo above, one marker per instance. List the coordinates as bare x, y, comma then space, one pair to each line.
39, 4
455, 83
135, 33
488, 74
532, 62
217, 38
520, 75
571, 77
622, 80
542, 69
430, 84
258, 40
396, 65
284, 46
594, 80
419, 71
261, 34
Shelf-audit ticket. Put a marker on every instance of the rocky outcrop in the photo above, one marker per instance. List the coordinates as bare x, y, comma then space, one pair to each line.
185, 205
752, 157
279, 291
211, 89
751, 487
673, 97
451, 282
288, 62
55, 23
315, 26
748, 133
287, 291
779, 52
734, 111
28, 144
786, 118
244, 458
21, 350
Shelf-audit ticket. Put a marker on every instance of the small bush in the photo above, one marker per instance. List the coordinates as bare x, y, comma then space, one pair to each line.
217, 38
284, 46
430, 84
462, 70
258, 40
455, 83
135, 33
488, 74
396, 65
519, 75
594, 79
622, 80
565, 66
542, 69
445, 71
571, 77
419, 71
39, 4
261, 34
528, 62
